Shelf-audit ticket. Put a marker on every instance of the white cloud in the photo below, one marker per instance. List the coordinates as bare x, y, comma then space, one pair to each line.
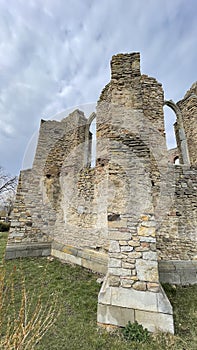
55, 54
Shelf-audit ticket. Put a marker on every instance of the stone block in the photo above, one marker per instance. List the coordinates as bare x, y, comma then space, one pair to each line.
178, 272
114, 281
127, 265
20, 250
134, 243
114, 315
155, 321
134, 255
119, 271
153, 287
66, 257
114, 262
147, 270
148, 239
146, 231
114, 247
150, 255
169, 277
126, 248
134, 299
119, 235
139, 286
126, 283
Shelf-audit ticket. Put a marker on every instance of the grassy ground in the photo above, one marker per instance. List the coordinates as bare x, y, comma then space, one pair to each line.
77, 292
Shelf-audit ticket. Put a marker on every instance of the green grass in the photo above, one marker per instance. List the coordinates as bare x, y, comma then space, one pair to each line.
77, 292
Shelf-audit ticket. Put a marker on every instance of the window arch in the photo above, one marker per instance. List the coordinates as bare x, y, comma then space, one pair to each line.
176, 160
90, 141
180, 133
170, 121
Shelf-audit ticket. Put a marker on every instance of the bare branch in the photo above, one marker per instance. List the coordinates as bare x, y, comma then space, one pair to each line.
7, 182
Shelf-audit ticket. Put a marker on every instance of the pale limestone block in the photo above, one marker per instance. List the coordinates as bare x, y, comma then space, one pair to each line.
163, 302
155, 321
148, 239
114, 247
150, 255
134, 299
104, 296
147, 270
125, 283
67, 257
114, 262
114, 315
119, 271
126, 248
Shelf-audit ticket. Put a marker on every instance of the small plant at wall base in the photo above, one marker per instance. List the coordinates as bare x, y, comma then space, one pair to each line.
135, 332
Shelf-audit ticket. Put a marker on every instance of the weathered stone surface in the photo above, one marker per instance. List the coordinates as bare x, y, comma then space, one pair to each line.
115, 262
178, 272
149, 255
114, 247
146, 231
139, 286
119, 271
147, 270
155, 321
131, 207
114, 315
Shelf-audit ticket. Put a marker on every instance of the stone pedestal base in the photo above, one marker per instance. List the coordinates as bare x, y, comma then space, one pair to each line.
118, 305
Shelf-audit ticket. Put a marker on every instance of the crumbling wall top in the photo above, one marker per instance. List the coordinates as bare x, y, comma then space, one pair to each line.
125, 66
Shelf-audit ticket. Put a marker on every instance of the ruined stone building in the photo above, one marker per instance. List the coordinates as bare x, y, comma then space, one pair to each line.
132, 216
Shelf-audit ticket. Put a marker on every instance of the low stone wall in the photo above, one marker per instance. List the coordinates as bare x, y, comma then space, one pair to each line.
176, 235
87, 258
180, 272
25, 250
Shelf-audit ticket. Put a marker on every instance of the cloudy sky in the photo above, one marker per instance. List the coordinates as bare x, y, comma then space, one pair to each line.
55, 54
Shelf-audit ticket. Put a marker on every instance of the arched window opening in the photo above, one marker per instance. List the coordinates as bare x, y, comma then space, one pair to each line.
169, 121
92, 148
90, 141
176, 161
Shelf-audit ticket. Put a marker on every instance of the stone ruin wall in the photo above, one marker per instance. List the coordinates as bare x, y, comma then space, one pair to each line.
64, 201
131, 211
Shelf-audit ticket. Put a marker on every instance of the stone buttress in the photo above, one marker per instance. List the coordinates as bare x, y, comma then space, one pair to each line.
134, 124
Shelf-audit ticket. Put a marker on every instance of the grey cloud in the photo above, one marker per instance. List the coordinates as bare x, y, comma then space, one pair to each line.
55, 54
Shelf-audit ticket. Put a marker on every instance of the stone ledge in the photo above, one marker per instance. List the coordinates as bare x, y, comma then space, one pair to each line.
183, 272
24, 250
88, 258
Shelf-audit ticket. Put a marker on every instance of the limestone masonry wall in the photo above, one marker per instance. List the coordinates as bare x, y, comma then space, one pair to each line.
133, 216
